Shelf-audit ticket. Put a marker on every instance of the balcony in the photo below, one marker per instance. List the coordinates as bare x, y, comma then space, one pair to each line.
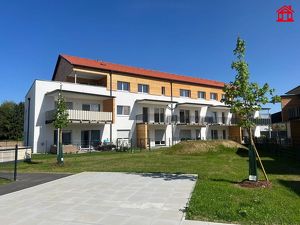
153, 118
82, 116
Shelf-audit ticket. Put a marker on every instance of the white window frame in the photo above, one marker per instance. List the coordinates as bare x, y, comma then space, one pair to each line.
123, 110
122, 85
145, 88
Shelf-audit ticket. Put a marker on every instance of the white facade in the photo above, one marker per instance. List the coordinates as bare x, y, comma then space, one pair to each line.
40, 133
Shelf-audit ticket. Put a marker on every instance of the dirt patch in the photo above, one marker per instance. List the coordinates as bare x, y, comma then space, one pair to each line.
257, 184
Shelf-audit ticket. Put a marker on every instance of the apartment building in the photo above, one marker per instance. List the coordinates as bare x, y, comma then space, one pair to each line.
290, 105
108, 102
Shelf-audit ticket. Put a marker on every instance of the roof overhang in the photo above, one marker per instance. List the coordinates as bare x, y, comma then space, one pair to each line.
191, 104
81, 95
154, 102
219, 107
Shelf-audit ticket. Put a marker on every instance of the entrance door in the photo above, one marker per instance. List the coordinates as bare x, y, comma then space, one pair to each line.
198, 134
85, 138
145, 115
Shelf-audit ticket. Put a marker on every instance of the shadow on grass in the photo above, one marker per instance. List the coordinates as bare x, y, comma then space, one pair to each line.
291, 184
225, 180
168, 176
281, 166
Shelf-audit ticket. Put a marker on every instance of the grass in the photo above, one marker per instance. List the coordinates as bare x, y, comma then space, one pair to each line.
3, 181
216, 197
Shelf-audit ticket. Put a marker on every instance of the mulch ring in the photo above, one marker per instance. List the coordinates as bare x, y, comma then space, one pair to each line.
257, 184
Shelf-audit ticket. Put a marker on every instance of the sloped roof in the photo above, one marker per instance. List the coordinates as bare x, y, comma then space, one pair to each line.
294, 91
108, 66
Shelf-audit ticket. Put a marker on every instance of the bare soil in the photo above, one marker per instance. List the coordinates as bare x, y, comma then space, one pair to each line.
255, 184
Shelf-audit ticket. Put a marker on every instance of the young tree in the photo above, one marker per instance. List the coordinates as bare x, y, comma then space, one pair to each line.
60, 121
245, 98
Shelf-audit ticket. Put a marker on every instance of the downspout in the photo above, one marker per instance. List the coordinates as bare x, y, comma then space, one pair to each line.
28, 117
172, 128
110, 92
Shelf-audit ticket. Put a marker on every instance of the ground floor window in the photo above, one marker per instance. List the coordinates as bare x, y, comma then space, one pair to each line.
185, 134
90, 138
66, 137
214, 134
160, 138
224, 134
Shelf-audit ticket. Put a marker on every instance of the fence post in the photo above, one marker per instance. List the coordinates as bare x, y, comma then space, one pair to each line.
149, 144
16, 161
131, 145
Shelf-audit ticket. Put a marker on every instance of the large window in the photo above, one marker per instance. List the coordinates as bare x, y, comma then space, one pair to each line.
143, 88
213, 96
123, 86
123, 110
159, 115
91, 107
185, 93
66, 137
201, 94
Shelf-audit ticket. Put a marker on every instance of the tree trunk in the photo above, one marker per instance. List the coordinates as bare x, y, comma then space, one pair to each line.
256, 152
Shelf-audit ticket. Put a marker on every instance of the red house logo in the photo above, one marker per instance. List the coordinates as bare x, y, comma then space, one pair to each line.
285, 14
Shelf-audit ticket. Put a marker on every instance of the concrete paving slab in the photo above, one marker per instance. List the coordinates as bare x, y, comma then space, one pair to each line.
102, 198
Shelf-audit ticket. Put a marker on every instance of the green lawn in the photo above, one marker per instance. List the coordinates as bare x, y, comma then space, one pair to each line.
4, 181
216, 197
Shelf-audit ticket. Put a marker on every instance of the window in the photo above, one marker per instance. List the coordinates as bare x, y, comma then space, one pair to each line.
163, 90
223, 96
213, 96
184, 116
185, 93
66, 137
123, 110
159, 115
201, 94
196, 116
214, 134
143, 88
91, 107
123, 86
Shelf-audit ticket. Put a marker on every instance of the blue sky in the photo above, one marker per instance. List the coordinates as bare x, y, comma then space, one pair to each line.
185, 37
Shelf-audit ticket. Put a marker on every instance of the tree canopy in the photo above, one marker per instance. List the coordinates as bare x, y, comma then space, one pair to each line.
11, 120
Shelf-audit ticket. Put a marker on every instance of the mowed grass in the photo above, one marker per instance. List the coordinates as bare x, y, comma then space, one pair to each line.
4, 181
216, 197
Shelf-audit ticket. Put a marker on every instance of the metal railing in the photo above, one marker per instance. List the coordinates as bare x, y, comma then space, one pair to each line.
81, 115
9, 158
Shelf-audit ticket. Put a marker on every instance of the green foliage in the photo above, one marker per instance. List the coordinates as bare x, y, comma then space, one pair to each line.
61, 115
11, 120
245, 97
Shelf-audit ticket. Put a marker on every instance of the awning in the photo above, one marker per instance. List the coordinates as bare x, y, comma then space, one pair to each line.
154, 102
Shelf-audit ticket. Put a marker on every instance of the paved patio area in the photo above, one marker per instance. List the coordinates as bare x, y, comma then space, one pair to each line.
103, 199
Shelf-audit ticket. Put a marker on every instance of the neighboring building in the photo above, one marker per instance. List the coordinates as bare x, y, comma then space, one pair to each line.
107, 102
290, 105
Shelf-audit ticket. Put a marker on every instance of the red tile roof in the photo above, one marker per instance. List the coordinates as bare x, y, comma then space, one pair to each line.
77, 61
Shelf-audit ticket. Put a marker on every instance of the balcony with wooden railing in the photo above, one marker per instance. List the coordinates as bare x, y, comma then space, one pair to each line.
83, 116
